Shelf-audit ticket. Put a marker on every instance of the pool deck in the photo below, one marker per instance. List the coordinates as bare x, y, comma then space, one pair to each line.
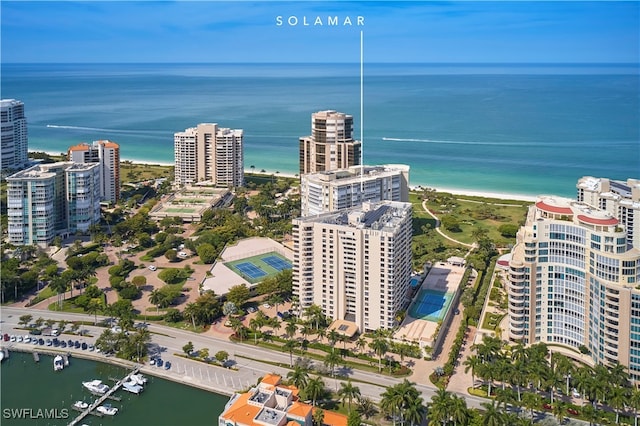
443, 278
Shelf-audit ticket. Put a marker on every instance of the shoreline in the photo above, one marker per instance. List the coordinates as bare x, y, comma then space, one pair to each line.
412, 187
118, 362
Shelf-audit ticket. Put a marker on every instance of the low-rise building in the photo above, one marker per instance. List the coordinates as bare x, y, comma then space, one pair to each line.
272, 403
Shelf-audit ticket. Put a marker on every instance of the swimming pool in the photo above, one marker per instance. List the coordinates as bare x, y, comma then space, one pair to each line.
415, 282
430, 305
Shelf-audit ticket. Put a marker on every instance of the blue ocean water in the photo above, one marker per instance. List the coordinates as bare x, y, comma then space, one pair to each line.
507, 128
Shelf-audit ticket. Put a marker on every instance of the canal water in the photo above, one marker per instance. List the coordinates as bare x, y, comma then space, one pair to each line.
32, 394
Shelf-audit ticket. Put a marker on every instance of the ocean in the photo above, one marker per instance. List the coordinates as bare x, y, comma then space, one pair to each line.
501, 128
34, 395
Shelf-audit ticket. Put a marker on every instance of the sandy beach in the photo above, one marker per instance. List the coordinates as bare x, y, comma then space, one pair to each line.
413, 187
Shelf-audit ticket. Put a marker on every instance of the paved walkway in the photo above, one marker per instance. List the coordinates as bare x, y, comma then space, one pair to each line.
439, 231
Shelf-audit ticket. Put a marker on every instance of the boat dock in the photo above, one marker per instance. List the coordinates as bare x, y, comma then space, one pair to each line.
103, 398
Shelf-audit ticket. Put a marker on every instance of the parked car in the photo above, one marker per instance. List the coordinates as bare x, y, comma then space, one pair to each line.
49, 342
35, 332
159, 362
6, 337
76, 344
27, 339
167, 365
63, 344
84, 346
41, 341
575, 393
251, 309
153, 267
70, 343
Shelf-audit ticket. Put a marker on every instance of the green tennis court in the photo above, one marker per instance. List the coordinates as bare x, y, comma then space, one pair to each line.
256, 268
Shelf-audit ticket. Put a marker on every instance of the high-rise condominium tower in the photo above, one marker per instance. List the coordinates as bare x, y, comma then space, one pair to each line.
344, 188
574, 282
331, 145
356, 263
621, 199
208, 153
15, 150
107, 155
51, 199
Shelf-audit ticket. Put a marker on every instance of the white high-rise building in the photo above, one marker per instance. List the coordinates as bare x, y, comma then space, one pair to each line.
356, 263
621, 199
14, 153
331, 145
208, 153
574, 282
107, 155
51, 199
341, 189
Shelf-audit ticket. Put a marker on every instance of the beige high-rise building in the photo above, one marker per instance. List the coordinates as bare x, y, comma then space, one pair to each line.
208, 153
574, 282
107, 154
356, 263
341, 189
331, 145
621, 199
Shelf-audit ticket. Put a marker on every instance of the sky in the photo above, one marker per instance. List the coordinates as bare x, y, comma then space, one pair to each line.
393, 31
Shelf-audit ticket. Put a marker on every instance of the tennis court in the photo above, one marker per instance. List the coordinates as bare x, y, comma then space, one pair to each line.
257, 268
277, 262
180, 210
250, 270
430, 305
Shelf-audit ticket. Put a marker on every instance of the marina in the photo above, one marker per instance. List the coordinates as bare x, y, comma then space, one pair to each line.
26, 383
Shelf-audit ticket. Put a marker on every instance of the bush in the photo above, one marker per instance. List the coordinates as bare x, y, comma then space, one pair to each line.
130, 292
173, 315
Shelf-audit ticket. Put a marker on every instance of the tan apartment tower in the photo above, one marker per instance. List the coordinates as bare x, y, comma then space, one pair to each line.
331, 145
355, 263
107, 154
208, 153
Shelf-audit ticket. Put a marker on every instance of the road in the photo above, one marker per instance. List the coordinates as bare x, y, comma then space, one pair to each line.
168, 342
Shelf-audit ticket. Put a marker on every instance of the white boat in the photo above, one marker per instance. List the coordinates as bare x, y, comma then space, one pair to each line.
81, 405
132, 387
107, 410
96, 386
139, 379
58, 363
1, 355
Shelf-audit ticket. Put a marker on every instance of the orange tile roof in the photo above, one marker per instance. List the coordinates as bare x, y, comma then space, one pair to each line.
80, 147
241, 411
331, 418
271, 379
299, 409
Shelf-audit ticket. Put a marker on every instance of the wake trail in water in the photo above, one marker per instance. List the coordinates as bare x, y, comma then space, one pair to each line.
98, 129
509, 144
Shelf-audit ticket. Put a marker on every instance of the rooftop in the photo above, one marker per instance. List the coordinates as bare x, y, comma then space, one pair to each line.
383, 215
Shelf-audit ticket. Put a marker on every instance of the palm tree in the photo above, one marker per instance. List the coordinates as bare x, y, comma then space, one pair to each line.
414, 411
459, 411
314, 388
291, 328
380, 347
298, 377
531, 401
366, 407
191, 310
290, 346
439, 408
254, 325
389, 402
618, 397
492, 415
348, 392
560, 411
331, 360
361, 343
333, 337
634, 402
472, 363
93, 307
